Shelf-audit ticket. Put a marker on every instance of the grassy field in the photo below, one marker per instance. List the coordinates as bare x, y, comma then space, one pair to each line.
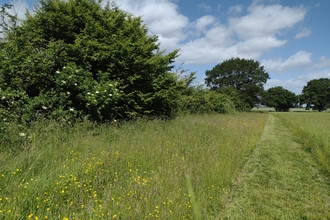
180, 169
281, 180
313, 131
266, 109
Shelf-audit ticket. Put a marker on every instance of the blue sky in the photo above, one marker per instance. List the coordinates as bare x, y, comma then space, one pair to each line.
289, 38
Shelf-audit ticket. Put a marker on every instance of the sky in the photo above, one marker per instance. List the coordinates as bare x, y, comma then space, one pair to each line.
291, 39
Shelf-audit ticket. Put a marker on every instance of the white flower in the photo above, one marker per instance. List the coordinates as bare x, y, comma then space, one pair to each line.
22, 134
88, 93
75, 84
68, 93
110, 84
63, 81
63, 67
115, 120
110, 94
71, 109
97, 92
57, 71
3, 97
44, 107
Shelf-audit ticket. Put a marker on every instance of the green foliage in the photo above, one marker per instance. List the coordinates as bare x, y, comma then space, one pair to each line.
317, 93
203, 101
246, 76
279, 98
235, 97
74, 59
195, 99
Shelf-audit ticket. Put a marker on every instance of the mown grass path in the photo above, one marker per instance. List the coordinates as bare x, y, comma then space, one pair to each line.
280, 181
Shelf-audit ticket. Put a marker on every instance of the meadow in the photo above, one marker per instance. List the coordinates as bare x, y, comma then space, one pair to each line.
313, 131
177, 169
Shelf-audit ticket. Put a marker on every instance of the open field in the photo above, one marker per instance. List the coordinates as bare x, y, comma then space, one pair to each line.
135, 170
313, 131
266, 109
281, 180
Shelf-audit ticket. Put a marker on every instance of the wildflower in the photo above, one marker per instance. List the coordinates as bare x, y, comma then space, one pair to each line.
75, 84
63, 81
3, 97
88, 93
63, 67
44, 107
68, 93
110, 94
22, 134
58, 71
110, 84
71, 109
97, 92
65, 218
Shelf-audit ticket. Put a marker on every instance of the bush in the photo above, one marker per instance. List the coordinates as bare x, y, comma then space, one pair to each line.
77, 59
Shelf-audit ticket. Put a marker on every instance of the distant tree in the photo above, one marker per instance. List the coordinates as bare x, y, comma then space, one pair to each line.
279, 98
247, 77
79, 58
317, 93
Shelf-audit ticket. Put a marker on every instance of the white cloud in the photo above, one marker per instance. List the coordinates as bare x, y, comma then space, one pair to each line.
206, 39
19, 7
203, 22
161, 16
298, 60
236, 9
205, 7
305, 32
256, 46
323, 62
264, 21
297, 84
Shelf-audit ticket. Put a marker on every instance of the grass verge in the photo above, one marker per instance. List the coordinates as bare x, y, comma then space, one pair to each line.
313, 131
280, 181
134, 170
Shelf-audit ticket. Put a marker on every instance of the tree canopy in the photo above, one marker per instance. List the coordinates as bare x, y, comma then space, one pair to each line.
279, 98
247, 77
79, 58
317, 93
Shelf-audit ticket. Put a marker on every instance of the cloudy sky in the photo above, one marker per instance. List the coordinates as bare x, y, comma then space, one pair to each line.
289, 38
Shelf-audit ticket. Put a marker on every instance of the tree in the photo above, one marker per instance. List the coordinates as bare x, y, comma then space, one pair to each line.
246, 76
317, 93
279, 98
77, 58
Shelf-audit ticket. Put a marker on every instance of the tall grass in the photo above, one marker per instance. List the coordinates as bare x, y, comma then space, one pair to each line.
136, 170
313, 131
